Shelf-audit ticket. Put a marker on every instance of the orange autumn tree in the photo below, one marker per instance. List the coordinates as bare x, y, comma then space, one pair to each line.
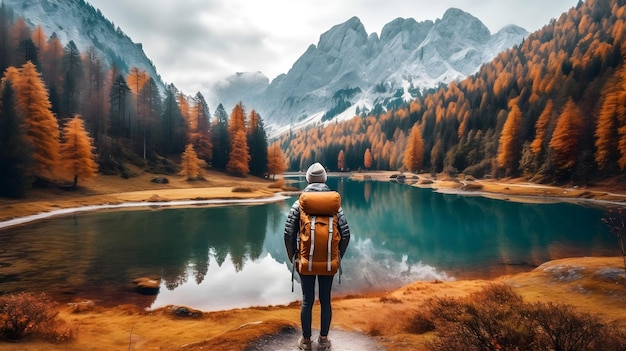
276, 162
510, 140
77, 156
42, 128
414, 153
541, 127
367, 159
341, 160
607, 128
566, 137
191, 164
239, 157
136, 79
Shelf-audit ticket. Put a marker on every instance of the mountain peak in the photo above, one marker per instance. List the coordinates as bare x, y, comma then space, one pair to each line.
350, 32
463, 24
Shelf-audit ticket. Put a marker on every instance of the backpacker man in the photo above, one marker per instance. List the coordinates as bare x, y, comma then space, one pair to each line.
316, 237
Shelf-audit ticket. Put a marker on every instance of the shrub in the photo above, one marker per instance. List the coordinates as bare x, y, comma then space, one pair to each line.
496, 318
27, 314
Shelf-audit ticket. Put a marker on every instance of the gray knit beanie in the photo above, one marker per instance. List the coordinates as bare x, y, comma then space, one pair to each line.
316, 173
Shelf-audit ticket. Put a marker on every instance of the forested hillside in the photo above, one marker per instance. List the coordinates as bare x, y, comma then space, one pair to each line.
551, 109
63, 110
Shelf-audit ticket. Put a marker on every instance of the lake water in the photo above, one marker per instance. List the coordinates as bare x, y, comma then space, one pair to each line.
214, 258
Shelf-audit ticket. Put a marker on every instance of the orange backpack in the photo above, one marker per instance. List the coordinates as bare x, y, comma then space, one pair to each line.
318, 241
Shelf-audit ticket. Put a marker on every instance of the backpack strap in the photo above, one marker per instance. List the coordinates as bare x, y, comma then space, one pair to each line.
312, 243
330, 242
294, 261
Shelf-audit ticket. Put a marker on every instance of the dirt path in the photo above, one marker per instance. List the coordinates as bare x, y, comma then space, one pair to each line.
341, 340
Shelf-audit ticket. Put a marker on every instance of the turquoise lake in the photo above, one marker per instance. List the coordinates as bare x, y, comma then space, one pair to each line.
214, 258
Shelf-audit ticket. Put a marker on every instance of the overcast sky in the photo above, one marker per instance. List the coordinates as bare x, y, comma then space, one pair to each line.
193, 43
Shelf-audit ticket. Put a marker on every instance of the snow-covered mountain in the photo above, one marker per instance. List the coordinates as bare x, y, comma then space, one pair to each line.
87, 27
350, 71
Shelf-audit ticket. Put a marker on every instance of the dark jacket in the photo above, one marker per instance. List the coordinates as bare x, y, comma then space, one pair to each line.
292, 226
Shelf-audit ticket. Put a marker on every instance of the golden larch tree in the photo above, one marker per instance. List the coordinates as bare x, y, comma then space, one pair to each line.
276, 162
42, 128
136, 79
607, 129
191, 165
237, 120
367, 159
414, 152
510, 145
566, 137
253, 122
341, 160
621, 115
39, 38
77, 156
541, 127
185, 110
239, 157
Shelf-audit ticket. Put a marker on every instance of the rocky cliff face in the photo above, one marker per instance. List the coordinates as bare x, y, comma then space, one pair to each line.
80, 22
349, 68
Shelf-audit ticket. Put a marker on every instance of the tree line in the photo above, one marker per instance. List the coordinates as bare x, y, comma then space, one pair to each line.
549, 109
52, 94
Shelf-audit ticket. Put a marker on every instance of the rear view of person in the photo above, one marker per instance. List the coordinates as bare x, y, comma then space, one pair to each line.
316, 238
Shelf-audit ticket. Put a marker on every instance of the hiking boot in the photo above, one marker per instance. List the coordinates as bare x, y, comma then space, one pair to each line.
323, 343
305, 344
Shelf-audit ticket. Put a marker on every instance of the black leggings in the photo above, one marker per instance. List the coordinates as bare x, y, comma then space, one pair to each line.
308, 298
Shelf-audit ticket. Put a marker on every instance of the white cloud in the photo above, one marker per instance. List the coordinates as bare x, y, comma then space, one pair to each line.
195, 42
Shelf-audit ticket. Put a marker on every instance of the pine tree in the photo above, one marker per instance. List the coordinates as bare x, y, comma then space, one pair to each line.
414, 153
221, 144
77, 156
191, 164
174, 134
257, 142
15, 150
72, 69
5, 44
239, 157
201, 137
120, 99
96, 107
152, 109
42, 129
276, 162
